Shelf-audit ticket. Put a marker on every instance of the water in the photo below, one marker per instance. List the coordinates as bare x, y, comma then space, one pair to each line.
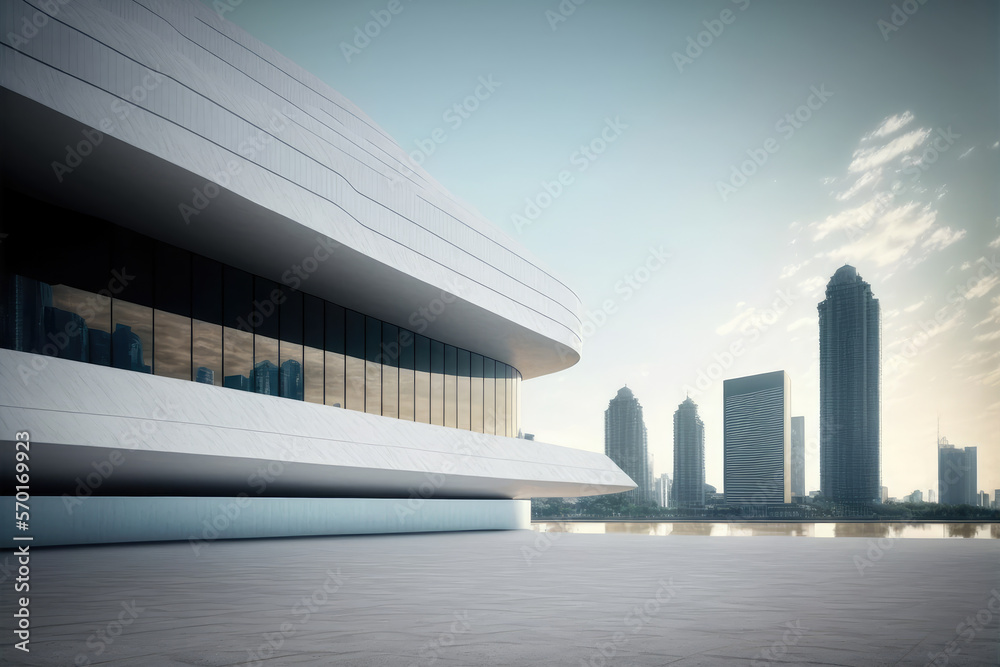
831, 529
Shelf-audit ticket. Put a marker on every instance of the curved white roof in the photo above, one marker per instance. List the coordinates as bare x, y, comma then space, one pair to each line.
214, 142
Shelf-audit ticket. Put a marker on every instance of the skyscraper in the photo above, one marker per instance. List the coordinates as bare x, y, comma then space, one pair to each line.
662, 488
849, 368
757, 439
957, 473
798, 456
625, 443
688, 488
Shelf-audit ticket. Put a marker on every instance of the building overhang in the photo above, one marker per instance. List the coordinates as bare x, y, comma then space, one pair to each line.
96, 430
136, 189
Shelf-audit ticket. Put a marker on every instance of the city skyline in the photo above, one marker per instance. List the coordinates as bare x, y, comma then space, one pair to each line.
890, 174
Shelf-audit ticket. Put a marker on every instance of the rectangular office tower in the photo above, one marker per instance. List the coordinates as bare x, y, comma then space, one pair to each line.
849, 391
757, 439
957, 474
231, 306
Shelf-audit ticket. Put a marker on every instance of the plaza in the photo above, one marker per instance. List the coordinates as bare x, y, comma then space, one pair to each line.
516, 598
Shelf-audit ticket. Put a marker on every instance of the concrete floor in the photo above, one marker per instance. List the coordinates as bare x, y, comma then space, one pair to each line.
513, 598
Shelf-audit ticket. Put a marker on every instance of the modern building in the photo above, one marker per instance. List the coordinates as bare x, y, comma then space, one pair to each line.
849, 377
757, 439
883, 494
996, 499
916, 497
931, 496
663, 490
233, 307
625, 443
688, 488
798, 456
957, 474
984, 499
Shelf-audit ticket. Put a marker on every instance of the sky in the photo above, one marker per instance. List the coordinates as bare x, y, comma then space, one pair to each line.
756, 146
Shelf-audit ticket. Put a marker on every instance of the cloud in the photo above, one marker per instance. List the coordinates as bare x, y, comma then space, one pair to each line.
942, 238
866, 179
977, 359
858, 217
995, 243
983, 287
812, 286
890, 125
866, 159
990, 378
801, 322
734, 324
966, 153
993, 316
791, 270
891, 238
913, 307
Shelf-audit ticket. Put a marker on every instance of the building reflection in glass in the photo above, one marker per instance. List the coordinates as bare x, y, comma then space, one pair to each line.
335, 356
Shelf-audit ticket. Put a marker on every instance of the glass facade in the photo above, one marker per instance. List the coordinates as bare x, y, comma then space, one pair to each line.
83, 289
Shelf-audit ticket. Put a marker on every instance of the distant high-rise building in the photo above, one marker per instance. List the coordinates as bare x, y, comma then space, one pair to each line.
798, 456
849, 379
916, 497
57, 323
957, 484
996, 499
757, 439
984, 499
663, 490
931, 496
241, 382
205, 375
688, 486
625, 443
264, 379
883, 493
100, 347
126, 350
291, 380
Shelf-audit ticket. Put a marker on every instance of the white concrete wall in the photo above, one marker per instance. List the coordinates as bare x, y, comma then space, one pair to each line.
202, 521
195, 436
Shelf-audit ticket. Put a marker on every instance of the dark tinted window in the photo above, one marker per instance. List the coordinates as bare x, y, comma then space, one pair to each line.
172, 291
